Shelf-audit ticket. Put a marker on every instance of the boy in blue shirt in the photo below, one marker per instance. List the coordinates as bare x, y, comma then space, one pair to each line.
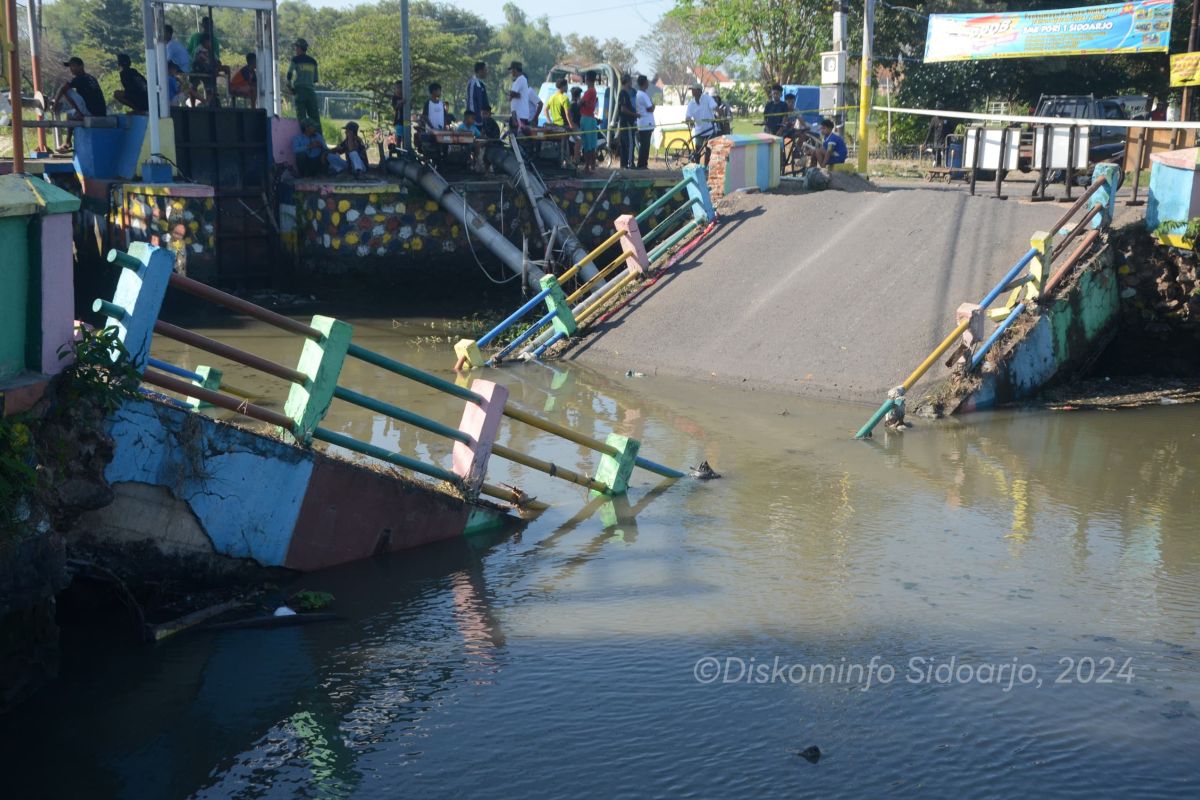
833, 147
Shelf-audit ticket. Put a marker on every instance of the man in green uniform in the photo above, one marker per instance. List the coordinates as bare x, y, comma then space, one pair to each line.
302, 80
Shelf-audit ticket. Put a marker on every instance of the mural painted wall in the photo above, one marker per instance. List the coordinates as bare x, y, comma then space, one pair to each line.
381, 227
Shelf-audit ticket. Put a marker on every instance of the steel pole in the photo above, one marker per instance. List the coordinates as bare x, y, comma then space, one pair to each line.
1186, 106
33, 20
864, 83
406, 73
13, 44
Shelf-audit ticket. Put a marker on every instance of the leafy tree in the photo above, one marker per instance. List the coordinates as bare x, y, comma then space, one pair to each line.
109, 27
785, 37
675, 49
583, 50
620, 55
532, 43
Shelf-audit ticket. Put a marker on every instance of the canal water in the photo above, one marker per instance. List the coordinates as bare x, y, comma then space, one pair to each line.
999, 606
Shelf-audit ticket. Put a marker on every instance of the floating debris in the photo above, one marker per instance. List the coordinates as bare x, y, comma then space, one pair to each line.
704, 472
811, 754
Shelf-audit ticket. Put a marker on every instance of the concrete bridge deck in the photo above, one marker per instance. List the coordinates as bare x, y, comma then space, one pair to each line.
838, 294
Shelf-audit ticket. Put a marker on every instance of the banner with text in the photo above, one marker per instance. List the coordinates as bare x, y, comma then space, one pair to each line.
1135, 27
1185, 69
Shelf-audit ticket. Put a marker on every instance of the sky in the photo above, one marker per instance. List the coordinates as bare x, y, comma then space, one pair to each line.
623, 19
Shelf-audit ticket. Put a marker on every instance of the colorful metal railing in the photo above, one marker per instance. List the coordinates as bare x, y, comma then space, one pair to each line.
566, 314
313, 386
1037, 283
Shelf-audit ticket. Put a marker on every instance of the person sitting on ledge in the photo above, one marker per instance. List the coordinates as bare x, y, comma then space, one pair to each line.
833, 147
312, 154
244, 83
354, 149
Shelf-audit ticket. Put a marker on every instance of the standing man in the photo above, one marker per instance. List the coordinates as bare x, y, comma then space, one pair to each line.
399, 124
176, 51
587, 123
701, 115
645, 121
81, 97
302, 79
477, 96
517, 101
775, 112
132, 93
626, 122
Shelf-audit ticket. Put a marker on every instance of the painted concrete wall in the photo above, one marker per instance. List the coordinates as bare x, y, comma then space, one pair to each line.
1066, 336
178, 216
190, 484
14, 294
382, 227
58, 290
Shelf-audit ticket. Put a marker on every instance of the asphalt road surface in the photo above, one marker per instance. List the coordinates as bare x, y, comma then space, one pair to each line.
832, 294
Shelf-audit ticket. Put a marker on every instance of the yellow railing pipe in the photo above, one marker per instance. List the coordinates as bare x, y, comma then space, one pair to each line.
547, 467
596, 251
599, 277
620, 283
559, 430
517, 499
946, 344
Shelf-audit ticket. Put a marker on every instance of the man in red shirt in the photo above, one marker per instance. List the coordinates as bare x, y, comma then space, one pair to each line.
587, 122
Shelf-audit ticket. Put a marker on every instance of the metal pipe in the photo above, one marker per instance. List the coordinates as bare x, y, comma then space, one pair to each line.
573, 252
649, 210
670, 220
661, 250
551, 469
977, 359
400, 414
866, 429
932, 358
412, 373
1062, 243
437, 188
13, 43
174, 370
1086, 242
600, 276
1007, 279
546, 345
33, 21
341, 440
513, 317
516, 498
597, 251
217, 399
232, 353
611, 292
1078, 204
527, 334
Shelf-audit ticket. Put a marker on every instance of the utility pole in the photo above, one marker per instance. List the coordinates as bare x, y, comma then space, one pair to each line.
1185, 111
406, 70
864, 83
33, 21
12, 48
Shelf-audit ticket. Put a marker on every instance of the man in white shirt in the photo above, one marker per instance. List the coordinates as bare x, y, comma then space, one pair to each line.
518, 101
701, 115
645, 111
175, 50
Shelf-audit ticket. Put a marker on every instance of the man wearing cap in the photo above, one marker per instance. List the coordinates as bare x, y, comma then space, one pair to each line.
302, 79
517, 95
133, 86
80, 97
355, 151
312, 154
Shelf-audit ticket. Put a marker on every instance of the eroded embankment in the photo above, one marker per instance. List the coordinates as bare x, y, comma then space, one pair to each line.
832, 294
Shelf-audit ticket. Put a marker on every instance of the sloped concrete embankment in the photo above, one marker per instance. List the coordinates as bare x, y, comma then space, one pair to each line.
831, 294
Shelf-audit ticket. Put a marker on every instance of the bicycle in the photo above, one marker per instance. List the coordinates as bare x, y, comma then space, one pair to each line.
681, 152
796, 150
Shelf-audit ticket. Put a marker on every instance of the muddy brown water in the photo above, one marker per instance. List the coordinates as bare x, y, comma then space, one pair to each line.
996, 606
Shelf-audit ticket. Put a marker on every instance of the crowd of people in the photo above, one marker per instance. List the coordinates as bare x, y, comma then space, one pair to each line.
571, 119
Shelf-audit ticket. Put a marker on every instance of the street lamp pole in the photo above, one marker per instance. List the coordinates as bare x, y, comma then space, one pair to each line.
864, 83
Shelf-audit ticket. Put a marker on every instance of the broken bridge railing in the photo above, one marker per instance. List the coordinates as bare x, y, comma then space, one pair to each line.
566, 314
134, 310
1029, 281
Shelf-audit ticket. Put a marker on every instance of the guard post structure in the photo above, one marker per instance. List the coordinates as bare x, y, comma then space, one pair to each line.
480, 422
638, 263
1105, 197
210, 378
321, 363
468, 353
614, 469
972, 314
556, 303
697, 189
139, 294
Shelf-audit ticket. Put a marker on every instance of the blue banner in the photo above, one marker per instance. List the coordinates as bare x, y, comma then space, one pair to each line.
1136, 27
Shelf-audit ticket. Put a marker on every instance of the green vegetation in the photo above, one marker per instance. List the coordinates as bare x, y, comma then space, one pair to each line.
17, 474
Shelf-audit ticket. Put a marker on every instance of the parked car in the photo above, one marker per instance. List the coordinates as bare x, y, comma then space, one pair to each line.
1105, 142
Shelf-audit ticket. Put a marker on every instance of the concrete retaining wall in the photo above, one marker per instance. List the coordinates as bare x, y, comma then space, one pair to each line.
195, 486
1063, 338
